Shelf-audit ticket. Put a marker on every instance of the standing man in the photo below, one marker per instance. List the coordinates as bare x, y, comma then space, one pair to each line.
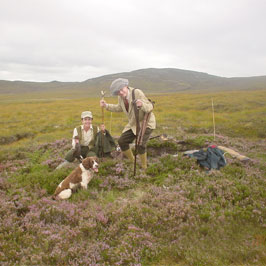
83, 138
125, 104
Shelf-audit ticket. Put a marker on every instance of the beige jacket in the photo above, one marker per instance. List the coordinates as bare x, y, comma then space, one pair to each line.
146, 108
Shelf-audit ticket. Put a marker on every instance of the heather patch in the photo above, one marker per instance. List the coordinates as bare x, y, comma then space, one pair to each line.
174, 213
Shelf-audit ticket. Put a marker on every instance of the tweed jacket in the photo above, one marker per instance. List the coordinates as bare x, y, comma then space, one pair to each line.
146, 108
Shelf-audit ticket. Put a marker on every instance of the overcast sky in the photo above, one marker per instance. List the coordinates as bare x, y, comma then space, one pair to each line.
74, 40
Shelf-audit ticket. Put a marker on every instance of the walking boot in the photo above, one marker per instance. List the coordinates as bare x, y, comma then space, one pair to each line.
143, 161
129, 155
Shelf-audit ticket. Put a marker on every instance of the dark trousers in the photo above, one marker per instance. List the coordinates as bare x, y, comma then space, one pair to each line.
85, 152
128, 137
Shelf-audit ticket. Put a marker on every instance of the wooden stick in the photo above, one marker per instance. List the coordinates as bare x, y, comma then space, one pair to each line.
102, 93
234, 153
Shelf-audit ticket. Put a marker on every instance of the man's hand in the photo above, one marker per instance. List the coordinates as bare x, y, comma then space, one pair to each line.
139, 103
103, 103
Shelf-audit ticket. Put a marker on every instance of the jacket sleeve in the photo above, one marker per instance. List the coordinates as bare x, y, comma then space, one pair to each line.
97, 144
146, 104
75, 133
110, 138
115, 107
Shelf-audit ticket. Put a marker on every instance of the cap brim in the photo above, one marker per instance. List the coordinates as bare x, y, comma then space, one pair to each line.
115, 93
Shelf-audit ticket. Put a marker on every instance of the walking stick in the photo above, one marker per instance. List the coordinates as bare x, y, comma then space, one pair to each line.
102, 133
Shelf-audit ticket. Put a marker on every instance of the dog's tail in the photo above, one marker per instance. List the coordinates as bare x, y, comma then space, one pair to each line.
57, 191
65, 194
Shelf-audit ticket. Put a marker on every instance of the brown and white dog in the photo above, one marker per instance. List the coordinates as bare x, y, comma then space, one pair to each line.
79, 177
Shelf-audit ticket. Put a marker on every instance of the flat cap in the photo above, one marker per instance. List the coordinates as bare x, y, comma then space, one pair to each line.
117, 85
86, 114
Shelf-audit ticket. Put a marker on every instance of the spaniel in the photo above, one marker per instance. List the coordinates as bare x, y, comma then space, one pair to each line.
79, 177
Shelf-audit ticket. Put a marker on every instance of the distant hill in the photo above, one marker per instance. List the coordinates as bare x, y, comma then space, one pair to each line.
151, 80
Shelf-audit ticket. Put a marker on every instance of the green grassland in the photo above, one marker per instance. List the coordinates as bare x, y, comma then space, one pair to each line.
174, 214
237, 114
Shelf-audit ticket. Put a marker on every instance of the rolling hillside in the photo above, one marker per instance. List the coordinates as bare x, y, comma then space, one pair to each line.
151, 80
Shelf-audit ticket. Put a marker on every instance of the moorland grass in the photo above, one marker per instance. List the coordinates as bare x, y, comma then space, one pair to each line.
174, 214
237, 114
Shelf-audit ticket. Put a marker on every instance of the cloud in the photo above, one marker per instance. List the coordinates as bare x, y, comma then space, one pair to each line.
76, 40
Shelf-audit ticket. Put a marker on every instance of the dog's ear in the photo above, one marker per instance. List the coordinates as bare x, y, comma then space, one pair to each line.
94, 159
87, 163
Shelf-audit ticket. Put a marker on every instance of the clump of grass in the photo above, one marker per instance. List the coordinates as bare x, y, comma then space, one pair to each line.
200, 141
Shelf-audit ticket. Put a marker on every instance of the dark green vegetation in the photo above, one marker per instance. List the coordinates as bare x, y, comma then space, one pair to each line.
174, 214
151, 80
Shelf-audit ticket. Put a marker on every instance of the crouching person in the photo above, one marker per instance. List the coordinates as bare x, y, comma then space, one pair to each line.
83, 141
127, 97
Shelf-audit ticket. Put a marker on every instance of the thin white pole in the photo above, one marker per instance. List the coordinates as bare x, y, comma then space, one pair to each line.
111, 123
213, 120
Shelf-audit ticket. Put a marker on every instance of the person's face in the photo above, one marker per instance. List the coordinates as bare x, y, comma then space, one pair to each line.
123, 92
103, 127
86, 121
